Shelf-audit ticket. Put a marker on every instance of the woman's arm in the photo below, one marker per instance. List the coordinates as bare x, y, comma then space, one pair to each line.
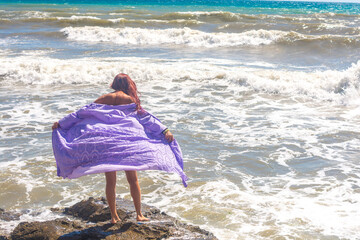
67, 121
55, 125
153, 125
169, 136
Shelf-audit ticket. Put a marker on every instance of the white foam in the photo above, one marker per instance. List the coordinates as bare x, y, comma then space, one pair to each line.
34, 14
341, 87
353, 113
117, 20
76, 17
116, 14
200, 12
205, 13
37, 52
177, 36
282, 155
40, 215
331, 26
274, 204
8, 41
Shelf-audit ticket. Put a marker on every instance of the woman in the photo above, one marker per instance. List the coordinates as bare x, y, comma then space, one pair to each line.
115, 133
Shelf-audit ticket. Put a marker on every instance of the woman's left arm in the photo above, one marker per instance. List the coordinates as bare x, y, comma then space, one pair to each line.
153, 124
169, 136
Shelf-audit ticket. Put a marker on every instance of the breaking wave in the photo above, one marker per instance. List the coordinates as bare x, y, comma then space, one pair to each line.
196, 38
331, 85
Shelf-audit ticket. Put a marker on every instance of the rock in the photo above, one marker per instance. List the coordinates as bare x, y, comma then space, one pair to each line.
9, 216
90, 219
45, 230
132, 230
93, 210
35, 230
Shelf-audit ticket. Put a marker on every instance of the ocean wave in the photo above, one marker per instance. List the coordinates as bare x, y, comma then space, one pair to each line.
219, 15
226, 16
177, 36
74, 17
66, 21
196, 38
35, 14
337, 86
331, 26
320, 23
330, 85
84, 20
204, 16
5, 42
4, 22
144, 22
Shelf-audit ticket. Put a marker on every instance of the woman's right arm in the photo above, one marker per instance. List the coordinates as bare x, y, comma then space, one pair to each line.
68, 121
55, 125
153, 125
169, 136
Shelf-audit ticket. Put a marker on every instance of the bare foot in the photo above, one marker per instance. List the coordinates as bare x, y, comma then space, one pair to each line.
141, 218
115, 220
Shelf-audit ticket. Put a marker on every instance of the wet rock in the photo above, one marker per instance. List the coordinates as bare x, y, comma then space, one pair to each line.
56, 209
132, 230
9, 216
94, 232
46, 230
90, 219
93, 210
35, 230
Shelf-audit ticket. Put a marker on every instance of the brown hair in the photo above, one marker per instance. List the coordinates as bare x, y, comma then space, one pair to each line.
122, 82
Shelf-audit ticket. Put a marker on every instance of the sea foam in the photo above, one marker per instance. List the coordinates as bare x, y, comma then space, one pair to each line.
340, 86
195, 38
174, 36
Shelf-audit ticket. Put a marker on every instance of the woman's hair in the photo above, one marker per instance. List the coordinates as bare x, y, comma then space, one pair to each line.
122, 82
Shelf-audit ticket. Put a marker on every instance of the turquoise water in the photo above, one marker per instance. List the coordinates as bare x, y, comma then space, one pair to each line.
249, 6
263, 97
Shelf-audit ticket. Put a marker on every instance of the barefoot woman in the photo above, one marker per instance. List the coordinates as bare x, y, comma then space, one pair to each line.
115, 133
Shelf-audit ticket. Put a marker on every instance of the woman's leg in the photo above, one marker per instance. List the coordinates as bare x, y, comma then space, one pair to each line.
135, 191
110, 195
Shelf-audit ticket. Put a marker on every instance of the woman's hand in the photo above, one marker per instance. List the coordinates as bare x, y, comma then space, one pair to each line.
169, 137
56, 125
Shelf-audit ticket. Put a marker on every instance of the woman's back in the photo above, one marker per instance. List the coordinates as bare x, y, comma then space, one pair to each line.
115, 98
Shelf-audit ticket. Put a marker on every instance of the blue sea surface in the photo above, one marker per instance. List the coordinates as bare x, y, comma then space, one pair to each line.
322, 32
249, 6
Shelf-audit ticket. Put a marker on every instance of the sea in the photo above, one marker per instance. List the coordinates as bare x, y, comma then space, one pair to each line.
262, 96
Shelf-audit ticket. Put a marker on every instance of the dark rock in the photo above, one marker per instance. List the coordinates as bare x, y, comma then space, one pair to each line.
56, 209
35, 230
144, 231
93, 210
91, 220
9, 216
96, 232
85, 209
46, 230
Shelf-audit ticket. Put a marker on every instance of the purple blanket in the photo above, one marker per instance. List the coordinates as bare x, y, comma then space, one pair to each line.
102, 138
